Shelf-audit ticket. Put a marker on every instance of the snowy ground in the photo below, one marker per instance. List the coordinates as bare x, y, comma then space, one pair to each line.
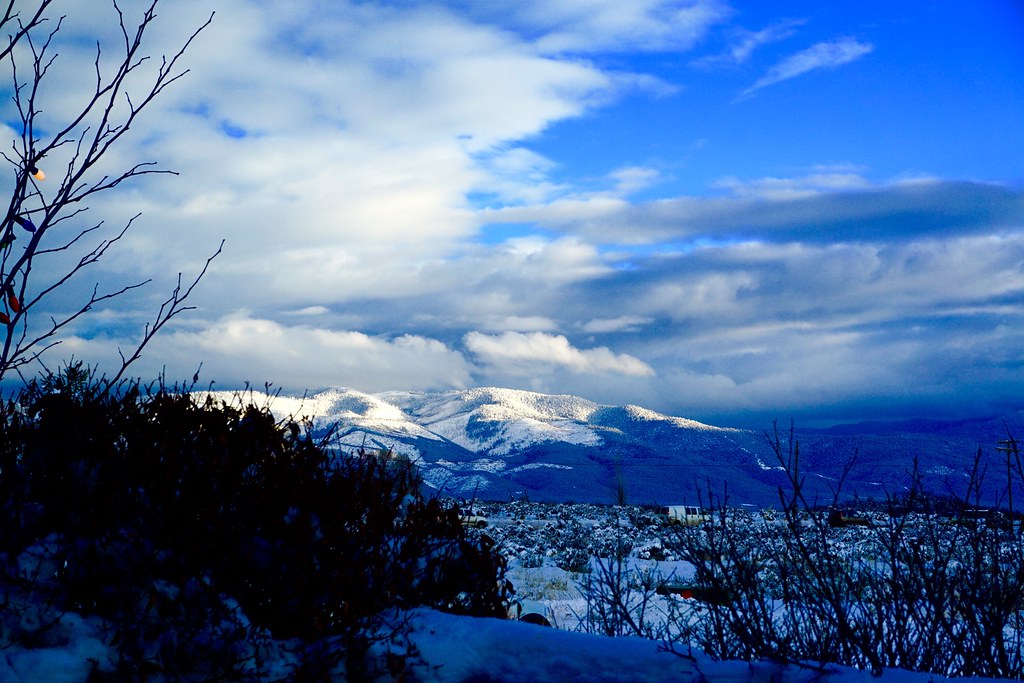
470, 650
547, 547
465, 650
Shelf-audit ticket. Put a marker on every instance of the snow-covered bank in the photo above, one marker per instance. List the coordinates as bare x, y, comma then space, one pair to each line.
476, 649
455, 649
464, 649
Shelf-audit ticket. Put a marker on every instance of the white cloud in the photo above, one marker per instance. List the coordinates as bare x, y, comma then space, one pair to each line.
587, 26
795, 188
362, 134
560, 260
832, 203
825, 55
343, 159
525, 352
520, 323
632, 179
518, 175
748, 41
745, 42
243, 348
623, 323
311, 310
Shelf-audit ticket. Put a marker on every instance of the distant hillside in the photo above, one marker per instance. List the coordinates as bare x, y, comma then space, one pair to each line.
502, 444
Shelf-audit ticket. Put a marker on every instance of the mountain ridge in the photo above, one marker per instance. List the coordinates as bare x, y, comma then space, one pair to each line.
498, 444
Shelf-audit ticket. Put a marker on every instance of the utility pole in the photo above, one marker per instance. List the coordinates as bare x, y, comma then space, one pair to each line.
1010, 446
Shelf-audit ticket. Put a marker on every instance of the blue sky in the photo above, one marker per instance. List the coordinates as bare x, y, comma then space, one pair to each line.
728, 211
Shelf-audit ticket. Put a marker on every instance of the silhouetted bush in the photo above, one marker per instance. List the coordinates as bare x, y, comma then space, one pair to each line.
199, 527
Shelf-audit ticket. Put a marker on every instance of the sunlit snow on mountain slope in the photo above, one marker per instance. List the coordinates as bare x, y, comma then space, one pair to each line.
500, 421
501, 444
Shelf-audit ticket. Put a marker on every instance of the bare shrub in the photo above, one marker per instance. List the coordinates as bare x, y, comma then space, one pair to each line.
620, 598
914, 590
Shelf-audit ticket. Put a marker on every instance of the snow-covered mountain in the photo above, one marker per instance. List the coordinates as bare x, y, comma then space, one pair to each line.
501, 444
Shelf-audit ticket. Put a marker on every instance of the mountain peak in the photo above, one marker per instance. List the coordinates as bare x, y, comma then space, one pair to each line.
494, 402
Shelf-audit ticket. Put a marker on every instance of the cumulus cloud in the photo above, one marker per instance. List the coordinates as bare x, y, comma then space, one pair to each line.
525, 351
243, 348
335, 156
825, 55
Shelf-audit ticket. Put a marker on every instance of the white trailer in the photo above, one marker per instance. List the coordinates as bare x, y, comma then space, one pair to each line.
685, 515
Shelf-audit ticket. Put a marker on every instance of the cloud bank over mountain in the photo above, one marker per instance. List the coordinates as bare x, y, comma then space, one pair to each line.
710, 208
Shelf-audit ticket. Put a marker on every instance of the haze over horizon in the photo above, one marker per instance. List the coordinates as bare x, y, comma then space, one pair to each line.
725, 211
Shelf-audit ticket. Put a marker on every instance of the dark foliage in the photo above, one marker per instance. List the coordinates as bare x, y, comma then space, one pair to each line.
158, 506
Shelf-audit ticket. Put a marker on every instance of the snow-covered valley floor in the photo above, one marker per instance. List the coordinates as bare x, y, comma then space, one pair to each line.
550, 549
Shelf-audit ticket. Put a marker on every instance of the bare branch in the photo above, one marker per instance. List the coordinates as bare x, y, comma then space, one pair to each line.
104, 117
171, 307
23, 27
